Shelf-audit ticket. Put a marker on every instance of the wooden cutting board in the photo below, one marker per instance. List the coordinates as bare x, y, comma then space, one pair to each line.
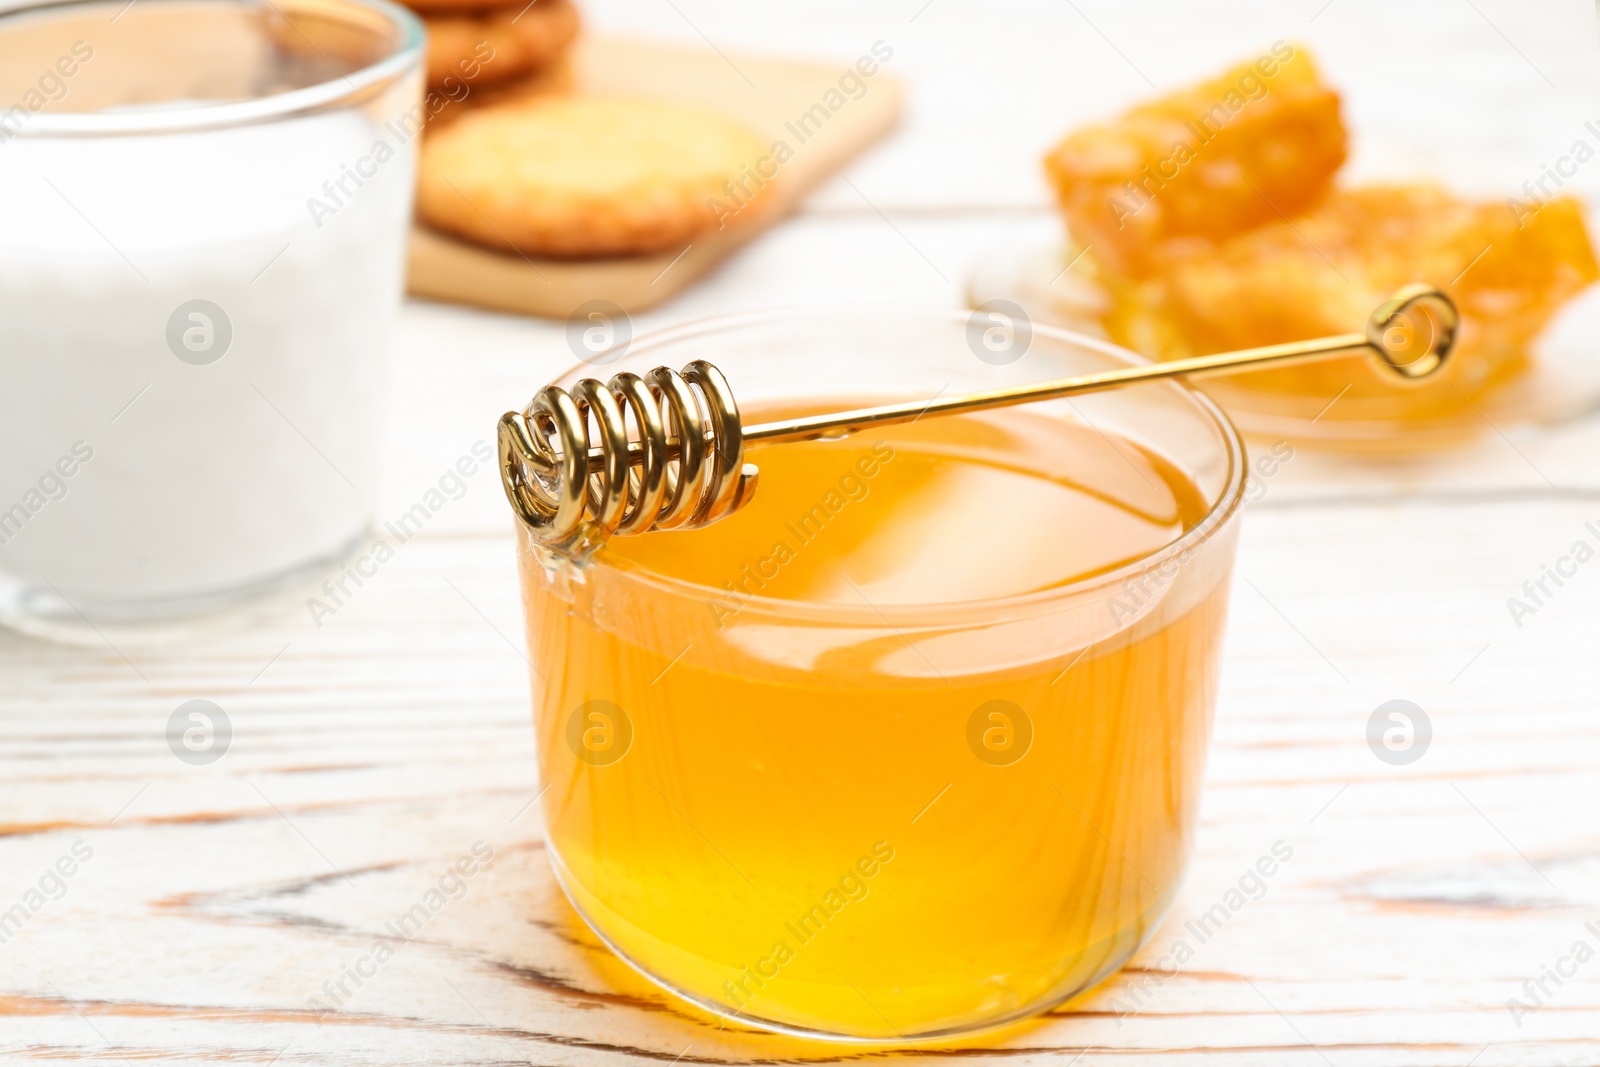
771, 95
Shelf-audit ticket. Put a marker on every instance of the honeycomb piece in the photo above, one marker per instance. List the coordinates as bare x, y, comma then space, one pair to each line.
1323, 272
1260, 142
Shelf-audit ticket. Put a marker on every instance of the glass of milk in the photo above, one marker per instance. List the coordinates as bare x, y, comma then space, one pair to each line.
205, 209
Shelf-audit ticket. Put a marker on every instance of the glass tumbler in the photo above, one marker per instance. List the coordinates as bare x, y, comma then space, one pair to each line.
207, 209
880, 821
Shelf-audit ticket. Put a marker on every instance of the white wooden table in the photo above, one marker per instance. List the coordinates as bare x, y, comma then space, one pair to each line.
375, 750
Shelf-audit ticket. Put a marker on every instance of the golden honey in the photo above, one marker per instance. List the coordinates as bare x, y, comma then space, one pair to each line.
858, 761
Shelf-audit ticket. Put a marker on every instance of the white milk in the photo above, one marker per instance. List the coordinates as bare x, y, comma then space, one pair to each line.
134, 482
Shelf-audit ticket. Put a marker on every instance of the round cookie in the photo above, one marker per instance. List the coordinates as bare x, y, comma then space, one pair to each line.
587, 176
499, 45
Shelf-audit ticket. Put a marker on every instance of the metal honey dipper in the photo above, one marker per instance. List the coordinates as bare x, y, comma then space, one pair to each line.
685, 467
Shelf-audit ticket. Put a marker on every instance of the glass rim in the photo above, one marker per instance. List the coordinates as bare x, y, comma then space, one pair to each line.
406, 55
1226, 505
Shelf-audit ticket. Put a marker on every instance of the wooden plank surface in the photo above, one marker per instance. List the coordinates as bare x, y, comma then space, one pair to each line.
377, 749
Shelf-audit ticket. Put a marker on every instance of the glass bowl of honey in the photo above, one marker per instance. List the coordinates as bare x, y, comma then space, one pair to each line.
910, 745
